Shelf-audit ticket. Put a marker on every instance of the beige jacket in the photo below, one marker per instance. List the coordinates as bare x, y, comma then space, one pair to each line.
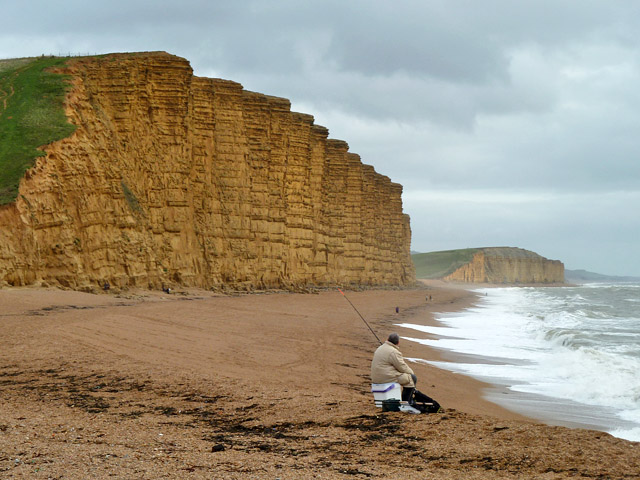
389, 366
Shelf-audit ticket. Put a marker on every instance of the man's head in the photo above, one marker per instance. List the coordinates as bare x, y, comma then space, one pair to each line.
394, 338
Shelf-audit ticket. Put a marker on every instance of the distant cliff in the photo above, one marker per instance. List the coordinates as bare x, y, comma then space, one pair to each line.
508, 266
174, 179
497, 265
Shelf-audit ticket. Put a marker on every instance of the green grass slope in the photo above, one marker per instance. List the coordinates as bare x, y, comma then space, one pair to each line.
31, 115
441, 264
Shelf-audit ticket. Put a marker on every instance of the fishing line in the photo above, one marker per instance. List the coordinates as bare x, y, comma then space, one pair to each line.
365, 322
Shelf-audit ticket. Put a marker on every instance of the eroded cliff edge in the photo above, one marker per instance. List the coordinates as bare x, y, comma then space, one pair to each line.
173, 179
508, 265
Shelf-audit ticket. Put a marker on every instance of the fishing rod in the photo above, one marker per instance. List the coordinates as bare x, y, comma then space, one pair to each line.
365, 322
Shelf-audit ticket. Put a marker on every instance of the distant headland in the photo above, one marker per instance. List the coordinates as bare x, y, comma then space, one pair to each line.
495, 265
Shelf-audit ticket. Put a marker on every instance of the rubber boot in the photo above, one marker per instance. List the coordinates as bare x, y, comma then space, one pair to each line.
409, 404
407, 395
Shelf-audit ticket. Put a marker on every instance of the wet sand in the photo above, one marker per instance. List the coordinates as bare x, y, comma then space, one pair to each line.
198, 385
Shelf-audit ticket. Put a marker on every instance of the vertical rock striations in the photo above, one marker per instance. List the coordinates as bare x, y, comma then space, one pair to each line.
508, 265
171, 178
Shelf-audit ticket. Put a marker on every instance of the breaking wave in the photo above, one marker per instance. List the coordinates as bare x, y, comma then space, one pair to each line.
578, 344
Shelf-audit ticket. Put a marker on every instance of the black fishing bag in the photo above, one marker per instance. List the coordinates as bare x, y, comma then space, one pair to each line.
424, 403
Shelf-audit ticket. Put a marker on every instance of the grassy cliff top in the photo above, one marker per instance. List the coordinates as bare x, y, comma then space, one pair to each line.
441, 264
31, 116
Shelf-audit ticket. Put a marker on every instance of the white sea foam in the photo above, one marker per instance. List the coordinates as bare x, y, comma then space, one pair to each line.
632, 434
579, 344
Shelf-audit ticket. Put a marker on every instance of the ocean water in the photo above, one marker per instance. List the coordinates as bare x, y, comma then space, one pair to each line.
566, 355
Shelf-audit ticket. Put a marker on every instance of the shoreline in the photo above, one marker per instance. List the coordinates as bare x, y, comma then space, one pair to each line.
442, 384
200, 385
535, 407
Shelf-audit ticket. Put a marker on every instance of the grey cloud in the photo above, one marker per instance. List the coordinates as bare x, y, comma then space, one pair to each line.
572, 228
448, 61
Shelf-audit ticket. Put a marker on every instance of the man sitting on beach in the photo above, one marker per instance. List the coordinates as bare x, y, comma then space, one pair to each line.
388, 365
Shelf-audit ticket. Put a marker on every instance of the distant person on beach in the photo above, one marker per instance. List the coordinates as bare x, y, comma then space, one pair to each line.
388, 366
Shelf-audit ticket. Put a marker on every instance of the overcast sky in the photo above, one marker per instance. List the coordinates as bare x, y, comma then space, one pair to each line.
509, 123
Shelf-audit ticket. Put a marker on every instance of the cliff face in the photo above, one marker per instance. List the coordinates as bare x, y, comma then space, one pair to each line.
508, 266
175, 179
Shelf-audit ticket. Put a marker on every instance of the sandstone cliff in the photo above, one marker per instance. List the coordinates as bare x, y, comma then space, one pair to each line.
174, 179
508, 266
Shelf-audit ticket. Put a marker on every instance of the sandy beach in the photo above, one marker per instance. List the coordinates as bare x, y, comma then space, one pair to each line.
194, 384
